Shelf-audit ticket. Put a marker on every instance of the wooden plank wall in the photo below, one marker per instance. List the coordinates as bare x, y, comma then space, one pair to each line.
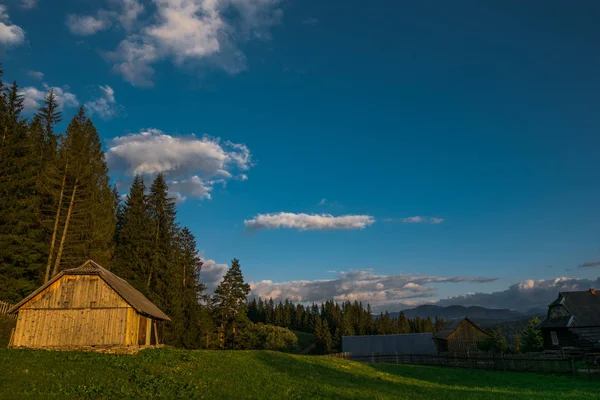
77, 310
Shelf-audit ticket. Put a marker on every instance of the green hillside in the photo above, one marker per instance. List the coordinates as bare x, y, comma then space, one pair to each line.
168, 373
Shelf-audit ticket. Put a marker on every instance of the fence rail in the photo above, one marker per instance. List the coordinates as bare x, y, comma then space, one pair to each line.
548, 363
4, 307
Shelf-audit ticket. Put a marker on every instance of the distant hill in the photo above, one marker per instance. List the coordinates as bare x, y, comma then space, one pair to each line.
452, 312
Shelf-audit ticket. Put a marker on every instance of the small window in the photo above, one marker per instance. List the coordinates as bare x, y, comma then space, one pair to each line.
554, 338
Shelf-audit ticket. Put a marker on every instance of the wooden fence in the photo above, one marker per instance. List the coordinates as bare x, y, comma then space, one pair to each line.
548, 363
4, 307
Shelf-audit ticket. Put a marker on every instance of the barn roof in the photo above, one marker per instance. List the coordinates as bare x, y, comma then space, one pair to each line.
583, 308
451, 326
135, 299
409, 343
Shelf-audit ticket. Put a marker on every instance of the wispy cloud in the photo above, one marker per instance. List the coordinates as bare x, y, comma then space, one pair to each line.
28, 4
105, 106
193, 165
310, 21
305, 222
34, 97
10, 34
86, 25
590, 264
416, 220
35, 75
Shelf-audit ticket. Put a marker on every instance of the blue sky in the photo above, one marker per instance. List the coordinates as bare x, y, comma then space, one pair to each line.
480, 118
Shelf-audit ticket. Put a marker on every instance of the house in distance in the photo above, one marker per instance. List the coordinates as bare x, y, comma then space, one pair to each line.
87, 306
573, 321
459, 336
408, 343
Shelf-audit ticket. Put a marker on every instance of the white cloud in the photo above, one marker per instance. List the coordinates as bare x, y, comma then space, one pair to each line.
130, 11
193, 165
34, 97
134, 57
322, 202
190, 31
86, 25
380, 291
10, 34
211, 274
416, 220
35, 74
524, 295
104, 106
28, 4
304, 222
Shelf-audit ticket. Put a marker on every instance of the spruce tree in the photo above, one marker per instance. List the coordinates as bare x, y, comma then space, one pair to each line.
84, 220
191, 289
229, 302
22, 246
134, 244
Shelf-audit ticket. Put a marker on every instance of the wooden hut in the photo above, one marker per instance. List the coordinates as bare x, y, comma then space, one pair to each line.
459, 336
87, 306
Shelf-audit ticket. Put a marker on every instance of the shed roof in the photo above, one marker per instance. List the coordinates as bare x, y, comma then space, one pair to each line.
451, 326
409, 343
582, 306
135, 299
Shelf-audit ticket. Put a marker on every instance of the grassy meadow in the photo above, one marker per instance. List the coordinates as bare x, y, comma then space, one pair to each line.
171, 373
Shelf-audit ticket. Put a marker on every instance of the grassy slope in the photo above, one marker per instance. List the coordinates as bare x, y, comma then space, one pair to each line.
168, 373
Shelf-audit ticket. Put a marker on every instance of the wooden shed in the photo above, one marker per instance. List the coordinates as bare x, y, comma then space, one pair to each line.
87, 306
459, 336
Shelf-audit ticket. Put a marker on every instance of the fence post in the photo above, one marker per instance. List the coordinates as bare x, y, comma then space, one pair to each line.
572, 366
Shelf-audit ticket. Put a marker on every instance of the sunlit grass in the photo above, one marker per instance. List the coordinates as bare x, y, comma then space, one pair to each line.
169, 373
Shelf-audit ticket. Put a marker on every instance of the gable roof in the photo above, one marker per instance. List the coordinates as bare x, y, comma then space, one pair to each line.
582, 306
451, 326
133, 297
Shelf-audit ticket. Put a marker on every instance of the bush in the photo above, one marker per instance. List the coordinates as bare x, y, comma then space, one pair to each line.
494, 344
6, 326
533, 341
266, 337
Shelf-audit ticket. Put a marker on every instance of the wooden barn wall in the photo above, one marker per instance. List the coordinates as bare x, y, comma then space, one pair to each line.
77, 291
76, 311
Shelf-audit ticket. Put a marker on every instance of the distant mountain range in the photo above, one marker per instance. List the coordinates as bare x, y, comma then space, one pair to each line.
473, 312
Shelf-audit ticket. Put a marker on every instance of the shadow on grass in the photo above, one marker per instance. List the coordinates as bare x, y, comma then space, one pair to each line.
332, 378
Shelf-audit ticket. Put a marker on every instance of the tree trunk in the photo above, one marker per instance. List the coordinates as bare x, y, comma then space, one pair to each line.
64, 234
55, 230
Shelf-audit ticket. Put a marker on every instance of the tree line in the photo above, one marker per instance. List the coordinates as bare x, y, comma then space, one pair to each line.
330, 321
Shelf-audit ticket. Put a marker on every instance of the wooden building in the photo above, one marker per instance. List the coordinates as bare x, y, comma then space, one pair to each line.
573, 321
87, 306
459, 336
408, 343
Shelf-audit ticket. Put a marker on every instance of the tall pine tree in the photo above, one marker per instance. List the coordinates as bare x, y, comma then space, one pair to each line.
229, 302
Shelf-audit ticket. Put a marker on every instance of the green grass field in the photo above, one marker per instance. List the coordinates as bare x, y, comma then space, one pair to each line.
169, 373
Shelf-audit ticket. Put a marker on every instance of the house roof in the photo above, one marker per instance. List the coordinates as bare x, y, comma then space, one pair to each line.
409, 343
582, 306
135, 299
451, 326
